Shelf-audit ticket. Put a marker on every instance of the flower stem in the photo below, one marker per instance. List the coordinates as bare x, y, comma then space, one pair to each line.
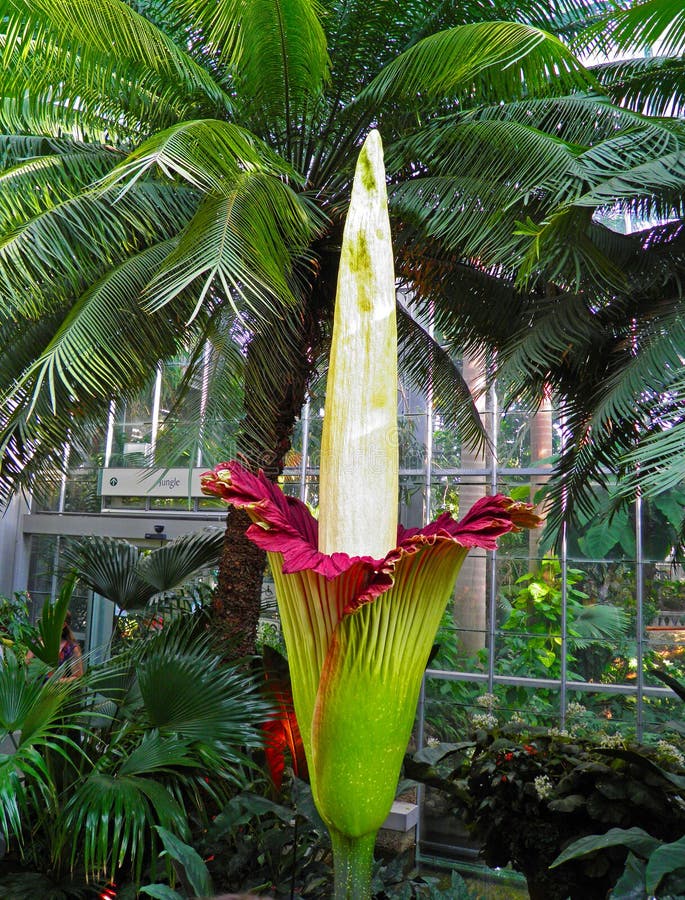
352, 865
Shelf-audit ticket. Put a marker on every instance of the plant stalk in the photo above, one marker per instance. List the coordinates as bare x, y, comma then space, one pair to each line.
352, 865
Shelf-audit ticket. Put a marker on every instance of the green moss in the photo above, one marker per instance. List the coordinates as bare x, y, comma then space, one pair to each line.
366, 171
359, 261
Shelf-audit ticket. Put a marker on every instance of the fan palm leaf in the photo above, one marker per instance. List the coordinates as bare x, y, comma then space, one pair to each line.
110, 568
113, 816
210, 704
598, 622
128, 577
170, 565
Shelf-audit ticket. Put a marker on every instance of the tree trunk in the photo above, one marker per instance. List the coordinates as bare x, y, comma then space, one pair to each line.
237, 598
279, 363
540, 448
470, 595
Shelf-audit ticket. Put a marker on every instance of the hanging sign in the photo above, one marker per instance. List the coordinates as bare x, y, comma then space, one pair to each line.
151, 482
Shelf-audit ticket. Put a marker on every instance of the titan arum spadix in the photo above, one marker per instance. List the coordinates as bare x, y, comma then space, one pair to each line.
360, 597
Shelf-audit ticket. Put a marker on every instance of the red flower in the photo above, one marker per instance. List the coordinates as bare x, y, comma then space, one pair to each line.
284, 525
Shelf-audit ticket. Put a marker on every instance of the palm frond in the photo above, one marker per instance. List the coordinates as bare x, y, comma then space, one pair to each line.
651, 370
653, 85
598, 622
205, 153
656, 464
43, 172
110, 816
580, 119
491, 61
157, 754
634, 28
36, 717
51, 623
81, 359
644, 162
65, 52
53, 254
110, 568
211, 394
428, 367
483, 177
275, 51
244, 241
196, 698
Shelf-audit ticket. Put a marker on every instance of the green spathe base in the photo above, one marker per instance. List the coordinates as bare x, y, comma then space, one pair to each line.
353, 865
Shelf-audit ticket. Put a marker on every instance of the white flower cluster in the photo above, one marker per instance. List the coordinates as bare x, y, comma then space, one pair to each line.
487, 701
483, 720
517, 719
669, 753
543, 786
612, 741
575, 709
557, 732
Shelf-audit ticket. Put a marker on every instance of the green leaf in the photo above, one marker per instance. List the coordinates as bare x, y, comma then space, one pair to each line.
635, 839
665, 860
503, 58
161, 891
193, 864
631, 884
51, 623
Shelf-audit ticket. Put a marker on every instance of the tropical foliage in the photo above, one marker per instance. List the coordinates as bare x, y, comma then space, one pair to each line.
15, 623
181, 175
155, 738
526, 793
531, 626
588, 236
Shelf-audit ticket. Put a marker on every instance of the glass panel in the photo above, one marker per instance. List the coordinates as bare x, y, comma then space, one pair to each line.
46, 495
660, 713
165, 503
596, 714
446, 446
412, 441
44, 582
81, 494
126, 503
132, 436
513, 438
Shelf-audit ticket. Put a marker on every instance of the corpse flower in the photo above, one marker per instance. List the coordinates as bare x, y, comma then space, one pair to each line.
360, 597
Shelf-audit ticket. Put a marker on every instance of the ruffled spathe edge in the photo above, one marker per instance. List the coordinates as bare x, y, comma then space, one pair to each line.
283, 524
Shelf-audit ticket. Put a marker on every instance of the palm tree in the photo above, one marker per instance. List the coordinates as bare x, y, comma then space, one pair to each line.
567, 301
178, 172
